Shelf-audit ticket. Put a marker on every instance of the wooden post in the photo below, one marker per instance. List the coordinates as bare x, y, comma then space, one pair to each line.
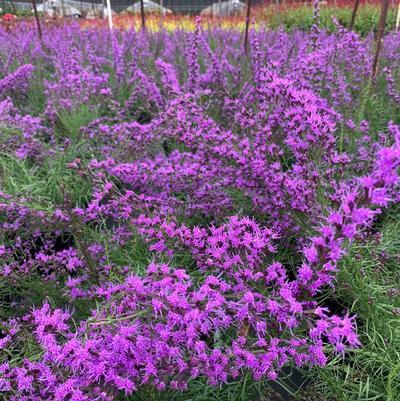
353, 15
142, 14
246, 34
39, 28
379, 36
398, 17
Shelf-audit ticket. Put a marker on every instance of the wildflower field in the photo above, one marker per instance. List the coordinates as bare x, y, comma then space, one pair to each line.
185, 220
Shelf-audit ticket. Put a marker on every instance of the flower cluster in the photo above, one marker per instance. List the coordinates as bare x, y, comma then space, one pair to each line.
17, 81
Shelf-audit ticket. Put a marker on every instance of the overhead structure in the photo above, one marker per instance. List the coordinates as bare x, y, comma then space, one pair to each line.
59, 8
149, 7
100, 12
224, 8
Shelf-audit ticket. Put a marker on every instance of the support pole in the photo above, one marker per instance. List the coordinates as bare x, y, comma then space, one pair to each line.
13, 7
62, 8
39, 28
379, 36
398, 17
142, 14
354, 14
246, 34
93, 9
110, 22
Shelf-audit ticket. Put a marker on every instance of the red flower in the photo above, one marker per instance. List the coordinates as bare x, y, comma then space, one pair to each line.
8, 17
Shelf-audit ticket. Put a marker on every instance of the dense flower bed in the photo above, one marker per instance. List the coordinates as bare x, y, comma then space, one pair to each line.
204, 199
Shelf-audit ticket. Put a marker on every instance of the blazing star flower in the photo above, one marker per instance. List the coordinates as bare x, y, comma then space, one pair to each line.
219, 167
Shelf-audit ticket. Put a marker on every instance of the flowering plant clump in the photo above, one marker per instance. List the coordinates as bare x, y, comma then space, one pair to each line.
171, 209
